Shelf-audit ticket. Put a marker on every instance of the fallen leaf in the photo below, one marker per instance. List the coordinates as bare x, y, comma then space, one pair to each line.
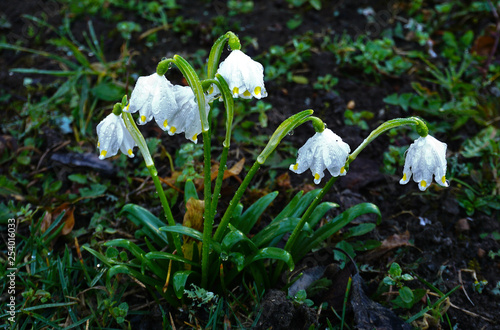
68, 219
283, 181
484, 43
214, 171
391, 242
194, 214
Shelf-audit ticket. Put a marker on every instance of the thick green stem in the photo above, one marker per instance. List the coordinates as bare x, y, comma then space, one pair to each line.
217, 49
141, 143
218, 181
234, 202
207, 215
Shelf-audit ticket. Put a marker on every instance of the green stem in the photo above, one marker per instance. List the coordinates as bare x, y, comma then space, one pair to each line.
390, 124
208, 219
141, 143
218, 181
217, 49
234, 202
229, 106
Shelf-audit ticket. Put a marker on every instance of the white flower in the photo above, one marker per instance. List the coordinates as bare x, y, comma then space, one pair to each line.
152, 96
323, 150
186, 117
244, 76
425, 157
112, 135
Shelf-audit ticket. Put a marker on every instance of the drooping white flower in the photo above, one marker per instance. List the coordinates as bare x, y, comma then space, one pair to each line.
186, 117
152, 96
424, 158
244, 76
112, 135
324, 150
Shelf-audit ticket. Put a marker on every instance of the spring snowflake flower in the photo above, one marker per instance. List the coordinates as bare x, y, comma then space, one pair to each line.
152, 96
186, 117
244, 76
112, 136
425, 157
324, 150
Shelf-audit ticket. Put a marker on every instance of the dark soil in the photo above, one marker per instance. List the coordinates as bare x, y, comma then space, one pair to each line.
443, 251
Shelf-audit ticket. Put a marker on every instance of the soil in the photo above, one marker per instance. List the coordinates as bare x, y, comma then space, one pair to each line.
448, 250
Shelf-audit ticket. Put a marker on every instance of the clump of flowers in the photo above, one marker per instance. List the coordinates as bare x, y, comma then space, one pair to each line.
227, 250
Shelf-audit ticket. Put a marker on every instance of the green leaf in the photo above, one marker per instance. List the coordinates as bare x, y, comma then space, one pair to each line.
139, 254
112, 252
320, 212
466, 39
406, 294
122, 269
179, 282
189, 191
78, 178
334, 226
274, 230
300, 80
272, 253
184, 231
479, 144
95, 190
286, 127
395, 270
55, 73
247, 220
145, 220
360, 229
234, 238
316, 4
392, 99
169, 256
288, 209
108, 91
304, 203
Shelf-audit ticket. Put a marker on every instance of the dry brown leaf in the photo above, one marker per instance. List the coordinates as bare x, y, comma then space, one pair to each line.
283, 181
194, 214
484, 43
232, 172
68, 218
391, 242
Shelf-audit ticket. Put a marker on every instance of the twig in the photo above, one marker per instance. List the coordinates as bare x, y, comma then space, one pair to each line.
461, 282
473, 314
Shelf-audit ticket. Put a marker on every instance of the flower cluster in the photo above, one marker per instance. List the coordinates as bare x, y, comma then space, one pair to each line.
175, 108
